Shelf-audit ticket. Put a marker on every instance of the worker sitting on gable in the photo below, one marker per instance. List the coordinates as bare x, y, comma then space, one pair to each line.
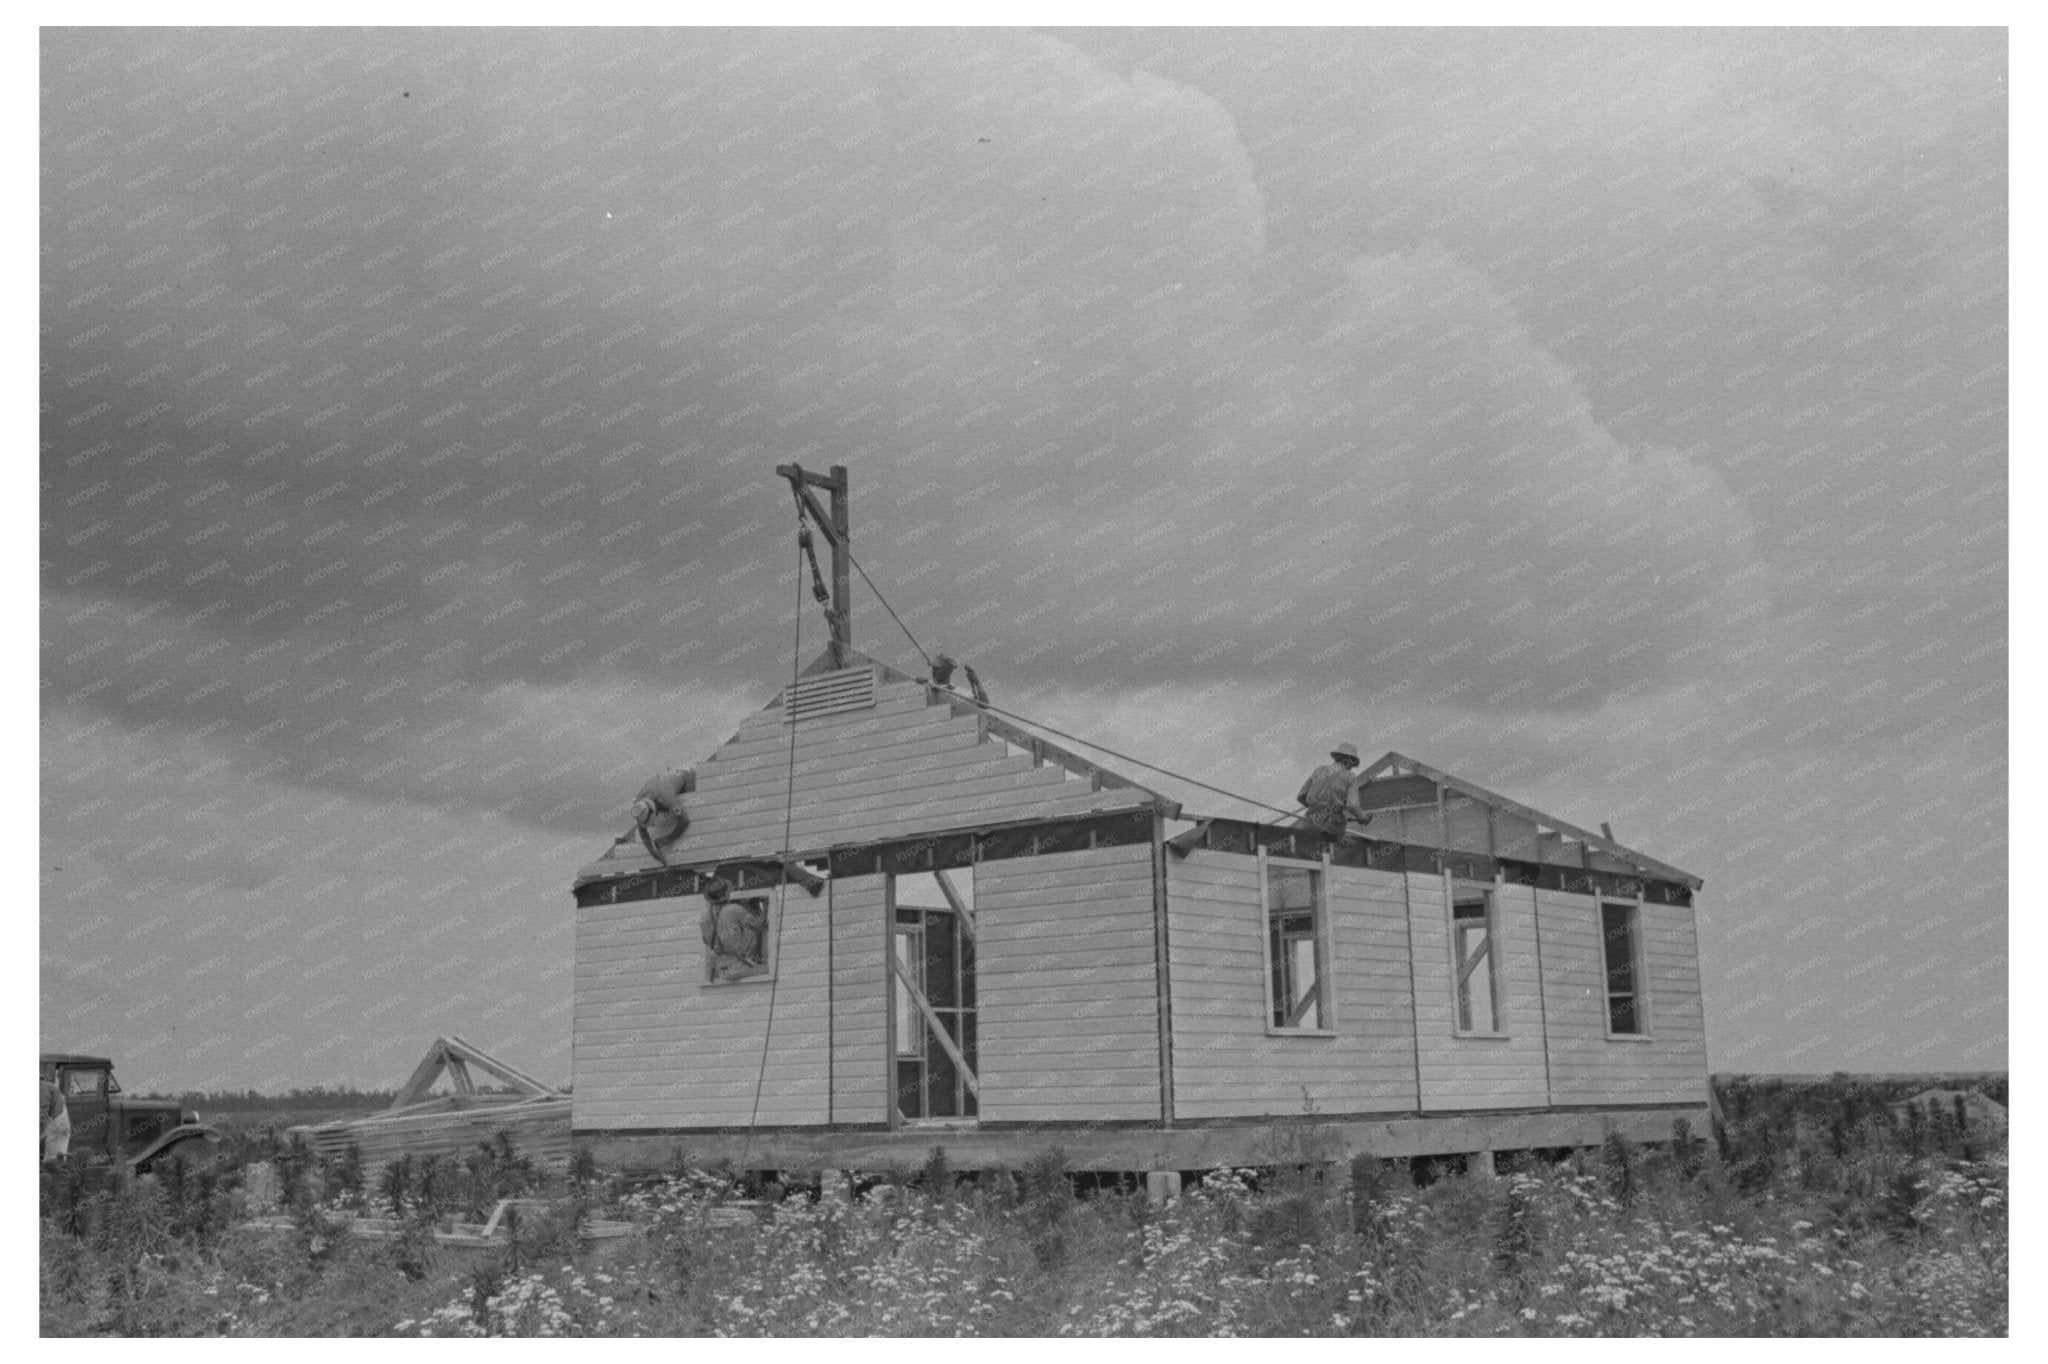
733, 930
658, 815
942, 675
1330, 794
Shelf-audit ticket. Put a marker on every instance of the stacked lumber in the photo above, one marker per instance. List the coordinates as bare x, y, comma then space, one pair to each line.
451, 1126
419, 1125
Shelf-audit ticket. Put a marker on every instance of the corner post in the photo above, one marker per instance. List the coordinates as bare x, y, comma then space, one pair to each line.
1162, 970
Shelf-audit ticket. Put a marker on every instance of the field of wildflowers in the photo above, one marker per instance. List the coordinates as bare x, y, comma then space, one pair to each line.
1858, 1230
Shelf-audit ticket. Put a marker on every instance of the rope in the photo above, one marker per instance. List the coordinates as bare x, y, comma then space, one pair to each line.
885, 604
1125, 757
796, 663
1073, 738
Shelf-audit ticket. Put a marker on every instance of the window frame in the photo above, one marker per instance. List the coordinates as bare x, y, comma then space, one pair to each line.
1487, 894
707, 980
1320, 934
103, 1082
1639, 995
966, 1015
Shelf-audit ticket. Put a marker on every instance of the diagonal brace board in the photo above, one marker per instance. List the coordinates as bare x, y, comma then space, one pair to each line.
1301, 1005
456, 1057
938, 1029
960, 909
1479, 954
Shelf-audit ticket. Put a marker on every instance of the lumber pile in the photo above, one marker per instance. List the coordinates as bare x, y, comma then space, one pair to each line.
419, 1125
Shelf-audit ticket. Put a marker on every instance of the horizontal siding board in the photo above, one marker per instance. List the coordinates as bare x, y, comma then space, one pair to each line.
902, 768
1225, 1062
1492, 1071
1025, 799
851, 778
649, 1034
913, 736
860, 1085
1079, 923
816, 816
1080, 964
1588, 1067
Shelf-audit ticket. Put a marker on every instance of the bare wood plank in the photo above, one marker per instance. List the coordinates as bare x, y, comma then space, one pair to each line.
938, 1029
1198, 1148
422, 1078
960, 909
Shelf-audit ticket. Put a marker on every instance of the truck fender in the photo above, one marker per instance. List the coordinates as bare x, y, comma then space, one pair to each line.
177, 1136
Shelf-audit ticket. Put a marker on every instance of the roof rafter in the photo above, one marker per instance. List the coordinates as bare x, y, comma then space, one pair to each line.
1402, 764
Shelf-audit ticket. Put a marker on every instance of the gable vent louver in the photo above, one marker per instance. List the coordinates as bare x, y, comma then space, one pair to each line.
830, 693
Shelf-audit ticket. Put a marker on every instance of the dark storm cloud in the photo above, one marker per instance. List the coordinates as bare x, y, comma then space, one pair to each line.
1615, 416
445, 397
448, 391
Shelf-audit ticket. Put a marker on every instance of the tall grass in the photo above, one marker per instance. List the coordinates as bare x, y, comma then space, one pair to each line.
1859, 1227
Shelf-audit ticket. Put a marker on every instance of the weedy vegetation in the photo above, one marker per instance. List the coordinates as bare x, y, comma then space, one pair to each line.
1818, 1211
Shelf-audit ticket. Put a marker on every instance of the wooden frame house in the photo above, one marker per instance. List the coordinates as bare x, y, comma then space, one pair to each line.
980, 940
975, 938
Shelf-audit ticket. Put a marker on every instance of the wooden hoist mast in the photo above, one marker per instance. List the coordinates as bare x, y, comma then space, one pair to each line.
833, 524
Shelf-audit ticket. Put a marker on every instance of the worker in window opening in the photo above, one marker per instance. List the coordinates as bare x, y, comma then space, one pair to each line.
1330, 794
54, 1124
659, 818
733, 930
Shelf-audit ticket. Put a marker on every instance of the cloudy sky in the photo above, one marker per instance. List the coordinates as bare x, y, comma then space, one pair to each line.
1617, 419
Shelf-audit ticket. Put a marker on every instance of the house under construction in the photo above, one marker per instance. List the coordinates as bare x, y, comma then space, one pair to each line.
977, 938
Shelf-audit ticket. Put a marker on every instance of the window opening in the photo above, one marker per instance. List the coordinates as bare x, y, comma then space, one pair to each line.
738, 935
1621, 951
935, 1005
1472, 949
85, 1082
1297, 993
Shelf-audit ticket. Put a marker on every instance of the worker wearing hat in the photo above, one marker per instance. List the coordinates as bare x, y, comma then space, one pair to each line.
733, 928
659, 818
1330, 795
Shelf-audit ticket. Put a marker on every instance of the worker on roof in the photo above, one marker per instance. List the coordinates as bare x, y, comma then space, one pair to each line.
1330, 795
733, 931
658, 814
942, 674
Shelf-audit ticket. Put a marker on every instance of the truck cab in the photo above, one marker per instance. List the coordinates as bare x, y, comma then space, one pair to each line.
107, 1126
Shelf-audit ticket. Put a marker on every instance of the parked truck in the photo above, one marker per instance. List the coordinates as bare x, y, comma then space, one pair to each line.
107, 1126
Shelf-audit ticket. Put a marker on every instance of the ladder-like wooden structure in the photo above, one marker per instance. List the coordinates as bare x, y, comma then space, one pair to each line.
536, 1116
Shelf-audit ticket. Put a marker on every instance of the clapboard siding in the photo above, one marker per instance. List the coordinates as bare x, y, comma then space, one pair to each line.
860, 1040
655, 1046
1466, 1072
1066, 978
1586, 1066
1225, 1063
908, 765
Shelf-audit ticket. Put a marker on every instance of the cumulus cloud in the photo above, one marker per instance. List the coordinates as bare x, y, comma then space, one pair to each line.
410, 401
